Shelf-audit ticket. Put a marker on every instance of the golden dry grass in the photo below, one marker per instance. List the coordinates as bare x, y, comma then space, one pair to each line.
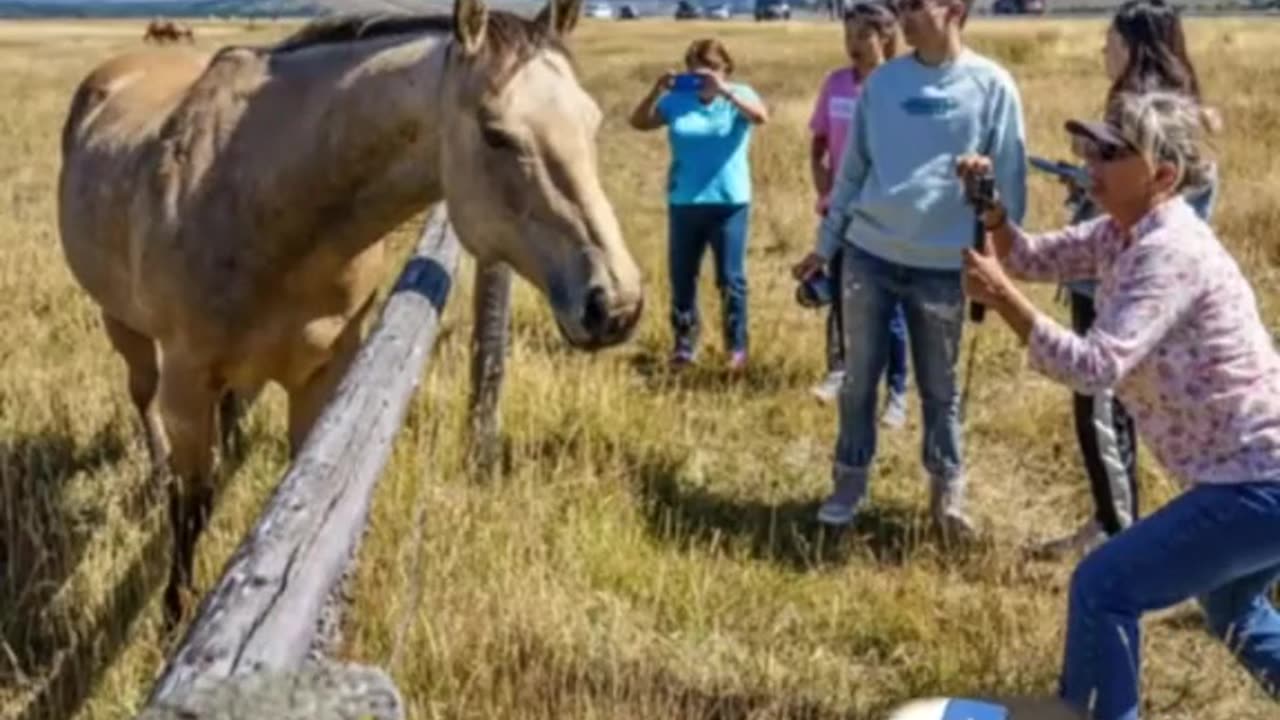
651, 551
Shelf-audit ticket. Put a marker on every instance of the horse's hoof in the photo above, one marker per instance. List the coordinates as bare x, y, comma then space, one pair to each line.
175, 608
235, 446
487, 457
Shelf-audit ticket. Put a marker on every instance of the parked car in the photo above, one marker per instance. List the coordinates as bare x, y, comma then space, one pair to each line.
686, 10
599, 10
718, 12
627, 11
773, 10
1018, 7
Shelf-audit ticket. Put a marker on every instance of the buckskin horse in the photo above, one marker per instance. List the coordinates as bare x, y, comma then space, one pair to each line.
227, 212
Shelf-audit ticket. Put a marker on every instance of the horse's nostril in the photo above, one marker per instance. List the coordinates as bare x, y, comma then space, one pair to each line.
595, 312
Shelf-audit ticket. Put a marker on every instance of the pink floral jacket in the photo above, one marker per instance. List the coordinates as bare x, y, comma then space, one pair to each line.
1177, 335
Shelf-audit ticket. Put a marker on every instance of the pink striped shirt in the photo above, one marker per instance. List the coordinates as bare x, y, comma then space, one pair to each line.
1177, 335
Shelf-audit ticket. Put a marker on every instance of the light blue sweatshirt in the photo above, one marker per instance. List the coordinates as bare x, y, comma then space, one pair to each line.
896, 193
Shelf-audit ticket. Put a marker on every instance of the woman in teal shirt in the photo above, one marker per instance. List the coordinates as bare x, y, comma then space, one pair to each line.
708, 120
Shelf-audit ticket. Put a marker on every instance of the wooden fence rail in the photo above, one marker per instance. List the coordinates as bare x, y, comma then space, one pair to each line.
262, 619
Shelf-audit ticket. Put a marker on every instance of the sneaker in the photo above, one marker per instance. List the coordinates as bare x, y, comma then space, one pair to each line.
895, 411
829, 388
681, 359
946, 507
738, 360
956, 528
1088, 537
842, 505
836, 511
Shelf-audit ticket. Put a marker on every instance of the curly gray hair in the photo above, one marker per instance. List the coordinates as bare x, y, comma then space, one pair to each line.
1170, 127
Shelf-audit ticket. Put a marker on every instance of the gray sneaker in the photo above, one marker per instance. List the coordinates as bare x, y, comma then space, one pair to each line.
829, 388
946, 507
895, 411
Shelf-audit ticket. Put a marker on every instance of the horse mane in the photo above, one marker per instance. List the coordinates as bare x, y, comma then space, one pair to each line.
507, 35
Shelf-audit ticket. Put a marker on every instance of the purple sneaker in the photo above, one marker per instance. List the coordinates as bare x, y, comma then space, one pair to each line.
738, 360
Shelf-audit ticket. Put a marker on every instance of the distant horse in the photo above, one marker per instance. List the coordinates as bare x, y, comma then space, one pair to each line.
162, 31
227, 213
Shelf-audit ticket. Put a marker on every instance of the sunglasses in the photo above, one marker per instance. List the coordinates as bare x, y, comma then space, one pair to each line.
1103, 152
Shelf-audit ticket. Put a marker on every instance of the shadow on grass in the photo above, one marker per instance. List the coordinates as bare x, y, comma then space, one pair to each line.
44, 538
785, 533
710, 374
54, 659
549, 683
683, 512
539, 680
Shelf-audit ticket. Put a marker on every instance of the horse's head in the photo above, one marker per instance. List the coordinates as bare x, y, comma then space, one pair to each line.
522, 184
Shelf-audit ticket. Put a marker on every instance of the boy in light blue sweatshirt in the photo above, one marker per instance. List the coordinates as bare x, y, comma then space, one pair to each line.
902, 221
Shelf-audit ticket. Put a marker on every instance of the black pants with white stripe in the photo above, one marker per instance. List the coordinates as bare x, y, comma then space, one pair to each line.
1107, 442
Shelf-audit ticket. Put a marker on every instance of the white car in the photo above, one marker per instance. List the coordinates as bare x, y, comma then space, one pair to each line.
718, 12
598, 10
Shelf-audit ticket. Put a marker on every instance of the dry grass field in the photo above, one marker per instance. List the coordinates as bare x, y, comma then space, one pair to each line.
651, 550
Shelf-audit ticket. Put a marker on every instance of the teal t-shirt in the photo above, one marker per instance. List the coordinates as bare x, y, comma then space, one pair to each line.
709, 158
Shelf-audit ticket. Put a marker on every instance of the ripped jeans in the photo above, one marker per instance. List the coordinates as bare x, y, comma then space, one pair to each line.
934, 303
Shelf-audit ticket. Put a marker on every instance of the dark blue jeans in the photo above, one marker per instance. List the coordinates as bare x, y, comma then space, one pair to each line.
691, 229
1217, 543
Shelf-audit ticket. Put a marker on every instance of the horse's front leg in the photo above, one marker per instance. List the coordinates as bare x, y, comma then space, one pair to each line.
188, 397
491, 310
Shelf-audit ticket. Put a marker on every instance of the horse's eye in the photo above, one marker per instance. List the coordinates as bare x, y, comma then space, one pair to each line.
498, 139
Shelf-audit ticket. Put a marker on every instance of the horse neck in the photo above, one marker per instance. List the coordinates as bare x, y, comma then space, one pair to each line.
362, 152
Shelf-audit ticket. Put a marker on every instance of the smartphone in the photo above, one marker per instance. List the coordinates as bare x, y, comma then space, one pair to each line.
687, 82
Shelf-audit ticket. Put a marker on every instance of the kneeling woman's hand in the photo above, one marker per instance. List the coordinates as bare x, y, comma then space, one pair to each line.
971, 167
984, 278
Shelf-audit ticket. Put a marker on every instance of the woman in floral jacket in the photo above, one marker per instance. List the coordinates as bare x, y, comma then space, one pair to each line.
1179, 338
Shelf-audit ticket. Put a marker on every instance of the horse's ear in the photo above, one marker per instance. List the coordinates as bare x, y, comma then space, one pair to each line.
560, 16
470, 18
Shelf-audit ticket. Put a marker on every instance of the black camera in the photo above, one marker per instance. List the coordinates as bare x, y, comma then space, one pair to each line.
816, 291
982, 192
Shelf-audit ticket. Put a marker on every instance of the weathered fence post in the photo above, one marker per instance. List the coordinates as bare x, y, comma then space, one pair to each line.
254, 630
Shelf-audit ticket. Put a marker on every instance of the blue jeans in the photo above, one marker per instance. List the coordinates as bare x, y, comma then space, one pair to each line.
932, 302
691, 229
896, 375
1217, 543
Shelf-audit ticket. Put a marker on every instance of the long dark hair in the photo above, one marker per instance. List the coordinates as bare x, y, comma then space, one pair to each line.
1152, 32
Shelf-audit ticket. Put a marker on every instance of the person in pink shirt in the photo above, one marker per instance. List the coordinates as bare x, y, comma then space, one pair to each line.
1179, 338
871, 36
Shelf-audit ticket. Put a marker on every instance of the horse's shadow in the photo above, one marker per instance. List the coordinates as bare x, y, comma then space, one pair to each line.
45, 535
44, 541
785, 533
